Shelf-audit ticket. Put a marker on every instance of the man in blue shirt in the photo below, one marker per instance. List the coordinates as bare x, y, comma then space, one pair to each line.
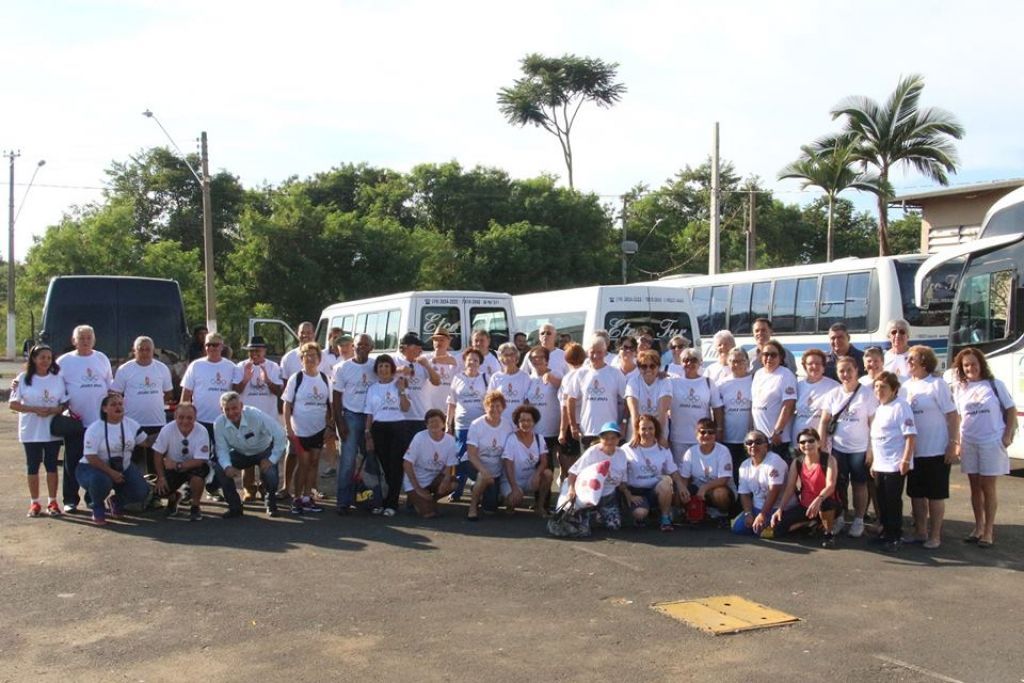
246, 437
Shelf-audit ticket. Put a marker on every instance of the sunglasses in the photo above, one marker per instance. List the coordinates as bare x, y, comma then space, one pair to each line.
897, 333
677, 347
804, 442
211, 345
184, 446
769, 354
754, 442
705, 432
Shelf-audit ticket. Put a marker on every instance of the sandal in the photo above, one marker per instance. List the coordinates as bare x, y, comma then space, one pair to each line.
985, 544
971, 538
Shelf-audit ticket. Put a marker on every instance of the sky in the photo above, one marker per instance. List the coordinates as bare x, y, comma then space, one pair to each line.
293, 89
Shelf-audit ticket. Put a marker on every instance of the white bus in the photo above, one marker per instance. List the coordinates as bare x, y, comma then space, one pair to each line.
622, 310
387, 318
988, 311
804, 301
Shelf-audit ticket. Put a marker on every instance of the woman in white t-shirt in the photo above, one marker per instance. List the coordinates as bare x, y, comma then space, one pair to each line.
895, 359
810, 393
544, 397
737, 402
693, 397
465, 404
652, 477
107, 462
707, 472
525, 461
569, 447
774, 398
37, 395
988, 423
309, 422
513, 383
719, 370
937, 425
649, 394
386, 403
428, 465
485, 444
607, 449
893, 438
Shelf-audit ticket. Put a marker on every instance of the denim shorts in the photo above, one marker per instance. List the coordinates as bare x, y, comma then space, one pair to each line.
852, 466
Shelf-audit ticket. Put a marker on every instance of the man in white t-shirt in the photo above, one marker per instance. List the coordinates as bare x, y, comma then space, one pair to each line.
482, 342
182, 456
146, 386
352, 379
599, 390
206, 379
419, 373
87, 376
556, 357
258, 381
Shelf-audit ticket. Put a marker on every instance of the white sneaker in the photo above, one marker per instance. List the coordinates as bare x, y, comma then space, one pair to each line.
857, 528
839, 525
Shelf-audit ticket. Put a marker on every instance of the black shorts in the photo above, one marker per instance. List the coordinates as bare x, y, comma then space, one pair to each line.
798, 514
650, 498
571, 448
176, 479
929, 478
315, 441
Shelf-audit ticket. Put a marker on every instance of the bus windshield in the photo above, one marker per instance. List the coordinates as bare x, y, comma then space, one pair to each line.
940, 289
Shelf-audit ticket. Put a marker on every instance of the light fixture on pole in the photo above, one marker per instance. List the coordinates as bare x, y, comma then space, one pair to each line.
204, 182
12, 330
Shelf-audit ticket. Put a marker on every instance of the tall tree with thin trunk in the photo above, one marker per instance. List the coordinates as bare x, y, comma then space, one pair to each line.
552, 91
832, 170
899, 131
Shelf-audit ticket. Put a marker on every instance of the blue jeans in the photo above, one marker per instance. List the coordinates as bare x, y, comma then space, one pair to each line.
464, 469
98, 485
73, 449
739, 525
350, 448
240, 462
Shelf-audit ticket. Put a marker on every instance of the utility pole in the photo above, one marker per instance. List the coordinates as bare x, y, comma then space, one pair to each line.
714, 259
211, 293
11, 318
752, 229
622, 248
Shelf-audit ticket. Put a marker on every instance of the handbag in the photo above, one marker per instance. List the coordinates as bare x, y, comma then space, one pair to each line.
367, 495
64, 426
569, 522
833, 423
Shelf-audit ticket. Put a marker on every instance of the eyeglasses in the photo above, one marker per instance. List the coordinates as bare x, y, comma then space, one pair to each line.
754, 442
705, 432
628, 348
805, 442
687, 361
897, 333
648, 366
677, 347
211, 345
769, 354
184, 446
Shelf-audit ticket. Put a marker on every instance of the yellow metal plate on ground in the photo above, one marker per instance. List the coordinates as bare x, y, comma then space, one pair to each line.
724, 614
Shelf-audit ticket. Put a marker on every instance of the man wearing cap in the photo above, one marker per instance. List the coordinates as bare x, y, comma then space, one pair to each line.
419, 374
206, 379
447, 365
244, 437
346, 347
258, 381
352, 378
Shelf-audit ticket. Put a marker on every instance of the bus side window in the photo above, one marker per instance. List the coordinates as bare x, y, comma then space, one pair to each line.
719, 305
806, 304
700, 298
739, 309
784, 306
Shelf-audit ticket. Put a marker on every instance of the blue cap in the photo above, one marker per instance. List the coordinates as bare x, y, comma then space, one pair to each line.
610, 427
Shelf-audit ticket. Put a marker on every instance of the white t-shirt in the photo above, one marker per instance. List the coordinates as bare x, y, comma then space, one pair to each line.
556, 364
429, 458
897, 364
416, 389
617, 472
87, 380
981, 410
931, 400
490, 366
257, 392
692, 399
46, 391
489, 442
647, 395
544, 398
645, 465
598, 393
207, 381
525, 459
717, 372
677, 370
563, 392
309, 403
757, 480
700, 467
810, 399
467, 395
291, 363
116, 440
893, 422
170, 442
143, 388
770, 391
353, 380
852, 428
383, 402
438, 396
737, 403
514, 388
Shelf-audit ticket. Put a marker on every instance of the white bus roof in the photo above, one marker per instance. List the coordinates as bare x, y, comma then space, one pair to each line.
435, 293
838, 265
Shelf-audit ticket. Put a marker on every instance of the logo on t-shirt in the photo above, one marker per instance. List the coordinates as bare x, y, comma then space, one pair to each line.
437, 457
595, 390
790, 391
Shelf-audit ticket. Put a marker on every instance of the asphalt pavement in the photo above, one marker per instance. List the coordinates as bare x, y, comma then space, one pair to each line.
318, 598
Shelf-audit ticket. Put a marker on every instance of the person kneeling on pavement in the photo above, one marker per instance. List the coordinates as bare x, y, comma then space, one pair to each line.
707, 472
812, 478
181, 455
762, 478
651, 474
428, 464
243, 437
107, 462
606, 450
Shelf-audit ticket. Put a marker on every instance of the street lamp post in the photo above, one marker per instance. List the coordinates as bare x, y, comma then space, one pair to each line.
204, 182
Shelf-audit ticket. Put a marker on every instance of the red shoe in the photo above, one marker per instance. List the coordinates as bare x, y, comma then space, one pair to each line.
53, 509
35, 509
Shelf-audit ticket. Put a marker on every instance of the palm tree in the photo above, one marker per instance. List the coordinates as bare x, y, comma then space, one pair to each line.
832, 170
899, 132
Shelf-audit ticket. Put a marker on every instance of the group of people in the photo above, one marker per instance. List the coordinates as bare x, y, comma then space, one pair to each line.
742, 441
